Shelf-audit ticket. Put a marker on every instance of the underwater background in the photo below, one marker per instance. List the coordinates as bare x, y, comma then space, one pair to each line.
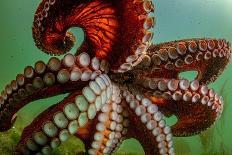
176, 19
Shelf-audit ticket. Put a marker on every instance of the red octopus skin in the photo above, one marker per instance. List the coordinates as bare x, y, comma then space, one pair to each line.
113, 29
119, 66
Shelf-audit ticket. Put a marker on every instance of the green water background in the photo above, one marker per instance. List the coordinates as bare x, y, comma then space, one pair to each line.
176, 19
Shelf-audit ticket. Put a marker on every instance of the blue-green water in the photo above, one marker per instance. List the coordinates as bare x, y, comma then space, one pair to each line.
176, 19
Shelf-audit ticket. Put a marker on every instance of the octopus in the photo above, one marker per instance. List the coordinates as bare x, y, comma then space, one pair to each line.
119, 84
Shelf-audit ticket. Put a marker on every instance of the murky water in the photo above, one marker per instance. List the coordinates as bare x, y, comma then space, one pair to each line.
176, 19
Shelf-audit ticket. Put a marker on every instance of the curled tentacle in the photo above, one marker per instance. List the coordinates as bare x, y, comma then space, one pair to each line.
169, 59
44, 80
118, 31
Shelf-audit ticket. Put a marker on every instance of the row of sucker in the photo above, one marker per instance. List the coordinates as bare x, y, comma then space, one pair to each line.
117, 98
149, 22
185, 93
111, 127
188, 55
185, 90
185, 52
153, 119
70, 69
74, 115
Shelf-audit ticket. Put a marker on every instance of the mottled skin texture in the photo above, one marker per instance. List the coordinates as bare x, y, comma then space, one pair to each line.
113, 31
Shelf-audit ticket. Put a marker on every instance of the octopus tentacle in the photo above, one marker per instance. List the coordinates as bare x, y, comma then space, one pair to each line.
46, 132
196, 106
73, 115
118, 31
171, 58
153, 133
44, 80
111, 127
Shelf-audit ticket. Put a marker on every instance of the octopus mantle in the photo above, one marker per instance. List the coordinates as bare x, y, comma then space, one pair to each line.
120, 85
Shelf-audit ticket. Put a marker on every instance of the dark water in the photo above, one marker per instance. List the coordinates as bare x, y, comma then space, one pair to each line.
176, 19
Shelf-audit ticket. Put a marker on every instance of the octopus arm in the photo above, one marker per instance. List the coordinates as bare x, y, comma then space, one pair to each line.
147, 123
54, 126
101, 134
119, 31
48, 79
207, 56
111, 126
195, 105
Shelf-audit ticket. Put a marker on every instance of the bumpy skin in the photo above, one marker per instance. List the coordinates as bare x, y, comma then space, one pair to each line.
122, 88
